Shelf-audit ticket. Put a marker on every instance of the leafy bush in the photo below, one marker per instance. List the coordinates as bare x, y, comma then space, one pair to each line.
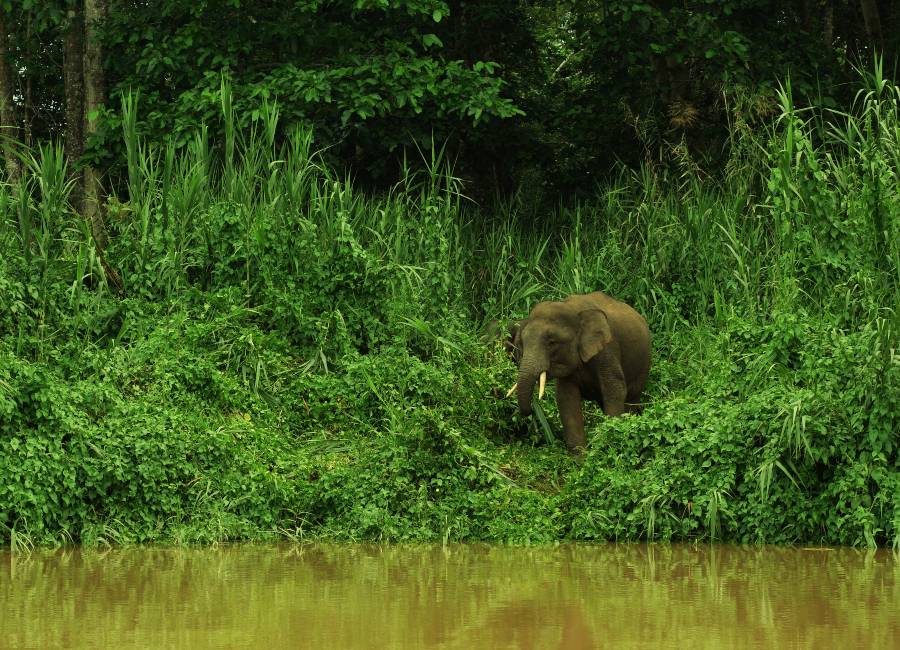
295, 359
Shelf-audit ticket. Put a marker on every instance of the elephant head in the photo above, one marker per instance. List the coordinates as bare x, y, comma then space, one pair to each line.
555, 341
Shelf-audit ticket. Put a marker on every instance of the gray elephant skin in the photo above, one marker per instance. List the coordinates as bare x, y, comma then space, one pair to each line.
594, 346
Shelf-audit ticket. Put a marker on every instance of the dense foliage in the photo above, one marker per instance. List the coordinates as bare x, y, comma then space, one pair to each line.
289, 357
534, 96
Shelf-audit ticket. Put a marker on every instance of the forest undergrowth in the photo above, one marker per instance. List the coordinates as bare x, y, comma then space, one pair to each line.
281, 356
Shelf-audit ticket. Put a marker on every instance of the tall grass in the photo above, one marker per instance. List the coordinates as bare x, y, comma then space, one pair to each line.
771, 277
822, 227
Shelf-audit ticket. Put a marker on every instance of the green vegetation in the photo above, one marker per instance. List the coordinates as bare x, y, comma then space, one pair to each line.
293, 358
541, 96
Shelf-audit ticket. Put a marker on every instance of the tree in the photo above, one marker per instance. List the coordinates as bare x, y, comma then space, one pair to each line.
872, 22
634, 80
73, 78
94, 98
528, 93
370, 76
9, 114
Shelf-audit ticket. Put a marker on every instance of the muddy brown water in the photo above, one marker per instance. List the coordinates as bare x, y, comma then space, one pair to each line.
466, 596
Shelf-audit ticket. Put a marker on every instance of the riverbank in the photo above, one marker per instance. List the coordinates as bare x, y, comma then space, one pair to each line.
293, 359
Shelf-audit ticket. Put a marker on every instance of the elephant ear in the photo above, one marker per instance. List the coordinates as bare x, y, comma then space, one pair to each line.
594, 334
513, 344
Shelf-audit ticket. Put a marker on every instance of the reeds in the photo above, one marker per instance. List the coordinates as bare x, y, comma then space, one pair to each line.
826, 216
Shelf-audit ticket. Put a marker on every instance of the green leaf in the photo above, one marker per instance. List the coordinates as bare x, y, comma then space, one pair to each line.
437, 14
431, 39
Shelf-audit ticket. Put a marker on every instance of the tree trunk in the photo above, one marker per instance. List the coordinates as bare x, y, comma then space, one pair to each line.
9, 114
806, 15
27, 105
828, 26
80, 68
890, 26
872, 20
94, 98
73, 80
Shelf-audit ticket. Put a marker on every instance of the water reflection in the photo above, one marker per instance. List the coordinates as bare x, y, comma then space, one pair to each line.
629, 596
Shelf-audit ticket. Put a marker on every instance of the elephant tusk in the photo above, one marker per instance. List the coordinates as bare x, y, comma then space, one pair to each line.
513, 389
543, 385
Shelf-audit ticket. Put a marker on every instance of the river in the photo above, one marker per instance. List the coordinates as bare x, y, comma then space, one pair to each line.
457, 596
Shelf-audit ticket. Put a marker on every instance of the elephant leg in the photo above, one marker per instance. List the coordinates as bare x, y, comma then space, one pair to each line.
613, 387
568, 398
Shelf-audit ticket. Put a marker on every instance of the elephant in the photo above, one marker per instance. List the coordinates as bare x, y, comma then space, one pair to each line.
594, 346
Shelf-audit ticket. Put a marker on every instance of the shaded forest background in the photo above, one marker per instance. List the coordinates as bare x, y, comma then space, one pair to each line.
531, 98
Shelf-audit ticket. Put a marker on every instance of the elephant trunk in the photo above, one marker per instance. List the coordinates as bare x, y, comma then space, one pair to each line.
530, 371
